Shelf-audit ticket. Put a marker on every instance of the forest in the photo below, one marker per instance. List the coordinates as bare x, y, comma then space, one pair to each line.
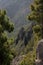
18, 43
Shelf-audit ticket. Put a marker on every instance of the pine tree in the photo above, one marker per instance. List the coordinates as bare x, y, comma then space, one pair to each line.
37, 14
5, 51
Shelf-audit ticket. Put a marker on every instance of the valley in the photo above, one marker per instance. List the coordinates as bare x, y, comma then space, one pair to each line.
17, 10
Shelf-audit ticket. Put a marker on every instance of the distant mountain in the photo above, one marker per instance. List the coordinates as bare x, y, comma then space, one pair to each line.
17, 10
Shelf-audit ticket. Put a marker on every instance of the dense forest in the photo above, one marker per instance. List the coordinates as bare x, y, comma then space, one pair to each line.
20, 49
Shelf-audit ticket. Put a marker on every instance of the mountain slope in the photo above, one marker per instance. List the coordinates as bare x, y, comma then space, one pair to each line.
17, 10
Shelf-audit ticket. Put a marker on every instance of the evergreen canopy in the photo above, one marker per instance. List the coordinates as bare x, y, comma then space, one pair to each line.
37, 13
5, 51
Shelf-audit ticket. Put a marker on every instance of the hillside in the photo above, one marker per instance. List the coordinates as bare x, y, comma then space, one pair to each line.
17, 10
21, 48
26, 54
26, 34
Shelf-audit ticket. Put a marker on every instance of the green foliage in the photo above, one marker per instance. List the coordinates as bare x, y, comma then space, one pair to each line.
30, 57
32, 8
28, 60
37, 15
37, 28
6, 54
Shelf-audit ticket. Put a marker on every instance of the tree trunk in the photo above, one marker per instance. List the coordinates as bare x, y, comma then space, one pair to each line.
42, 32
42, 27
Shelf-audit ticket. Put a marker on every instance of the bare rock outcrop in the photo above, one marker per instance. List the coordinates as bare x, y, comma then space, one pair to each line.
39, 53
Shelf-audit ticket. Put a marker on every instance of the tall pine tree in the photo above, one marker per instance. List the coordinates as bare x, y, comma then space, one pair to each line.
37, 15
5, 51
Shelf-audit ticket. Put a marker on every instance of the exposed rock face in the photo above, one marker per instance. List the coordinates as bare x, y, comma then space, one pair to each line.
39, 53
17, 60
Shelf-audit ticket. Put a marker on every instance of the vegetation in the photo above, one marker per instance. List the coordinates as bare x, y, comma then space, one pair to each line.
24, 35
36, 16
26, 41
6, 53
30, 57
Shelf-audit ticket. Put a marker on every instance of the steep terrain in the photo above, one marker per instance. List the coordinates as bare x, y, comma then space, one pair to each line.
18, 10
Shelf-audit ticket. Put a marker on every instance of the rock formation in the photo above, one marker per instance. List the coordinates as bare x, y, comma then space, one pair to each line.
39, 53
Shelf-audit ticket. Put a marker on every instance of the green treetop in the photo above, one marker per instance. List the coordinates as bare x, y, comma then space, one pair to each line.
5, 52
37, 13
